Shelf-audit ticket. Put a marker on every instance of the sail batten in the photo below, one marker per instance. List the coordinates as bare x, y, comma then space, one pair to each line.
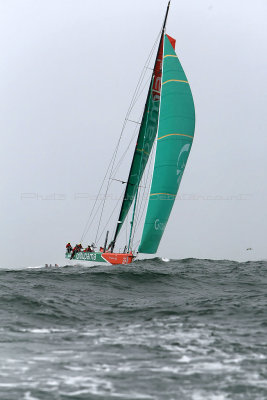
175, 136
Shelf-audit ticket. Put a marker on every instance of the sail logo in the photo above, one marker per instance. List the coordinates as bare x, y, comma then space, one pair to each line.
159, 226
86, 256
181, 162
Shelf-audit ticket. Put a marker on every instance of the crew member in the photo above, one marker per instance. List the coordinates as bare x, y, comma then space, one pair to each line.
75, 250
68, 247
88, 249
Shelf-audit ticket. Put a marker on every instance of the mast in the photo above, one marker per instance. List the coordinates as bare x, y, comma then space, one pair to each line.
120, 222
166, 16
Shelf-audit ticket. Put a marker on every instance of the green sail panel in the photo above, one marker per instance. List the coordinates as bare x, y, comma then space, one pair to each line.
175, 136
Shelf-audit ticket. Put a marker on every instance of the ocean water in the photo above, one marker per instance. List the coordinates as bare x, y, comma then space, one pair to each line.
184, 329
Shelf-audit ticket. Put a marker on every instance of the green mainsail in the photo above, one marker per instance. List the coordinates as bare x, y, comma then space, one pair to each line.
175, 136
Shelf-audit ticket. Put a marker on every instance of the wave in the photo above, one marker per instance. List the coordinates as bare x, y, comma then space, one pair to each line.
180, 321
144, 262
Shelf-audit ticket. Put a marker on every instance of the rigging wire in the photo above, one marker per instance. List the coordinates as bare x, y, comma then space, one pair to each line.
118, 164
103, 230
145, 194
92, 210
135, 97
125, 152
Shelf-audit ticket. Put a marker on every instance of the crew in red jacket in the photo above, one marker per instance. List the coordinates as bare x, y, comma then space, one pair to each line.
68, 247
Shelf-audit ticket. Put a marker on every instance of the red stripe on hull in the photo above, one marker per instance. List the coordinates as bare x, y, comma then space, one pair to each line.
118, 258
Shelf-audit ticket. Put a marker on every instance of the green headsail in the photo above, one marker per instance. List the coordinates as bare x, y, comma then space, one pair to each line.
147, 135
175, 136
146, 138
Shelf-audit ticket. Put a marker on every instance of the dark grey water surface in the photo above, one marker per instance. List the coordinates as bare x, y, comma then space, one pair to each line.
187, 329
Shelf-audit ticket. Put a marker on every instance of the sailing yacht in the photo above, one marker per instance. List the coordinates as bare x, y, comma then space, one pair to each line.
168, 121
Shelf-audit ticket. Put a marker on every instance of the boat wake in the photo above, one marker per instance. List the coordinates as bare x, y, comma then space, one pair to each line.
165, 259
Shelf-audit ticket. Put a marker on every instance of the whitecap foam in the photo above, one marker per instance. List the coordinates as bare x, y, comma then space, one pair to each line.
8, 385
28, 396
92, 384
73, 368
185, 359
63, 351
205, 396
47, 330
76, 392
43, 358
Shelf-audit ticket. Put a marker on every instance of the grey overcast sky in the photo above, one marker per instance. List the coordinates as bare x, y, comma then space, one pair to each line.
68, 71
